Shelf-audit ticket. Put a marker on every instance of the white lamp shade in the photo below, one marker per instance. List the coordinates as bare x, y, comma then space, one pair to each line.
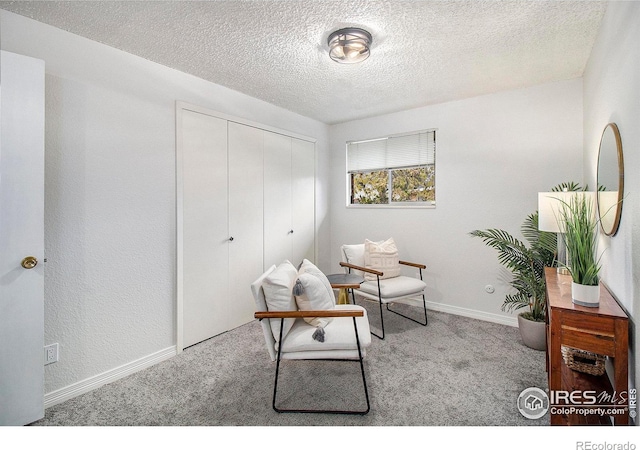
549, 210
550, 206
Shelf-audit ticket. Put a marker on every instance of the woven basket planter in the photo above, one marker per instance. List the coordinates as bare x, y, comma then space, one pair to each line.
582, 361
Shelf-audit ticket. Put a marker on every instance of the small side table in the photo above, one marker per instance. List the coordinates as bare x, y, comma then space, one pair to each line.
344, 282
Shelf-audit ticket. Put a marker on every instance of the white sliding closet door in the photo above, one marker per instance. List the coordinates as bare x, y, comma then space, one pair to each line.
246, 201
277, 200
205, 227
245, 219
303, 200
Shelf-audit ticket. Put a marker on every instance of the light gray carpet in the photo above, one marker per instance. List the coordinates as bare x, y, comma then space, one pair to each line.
455, 371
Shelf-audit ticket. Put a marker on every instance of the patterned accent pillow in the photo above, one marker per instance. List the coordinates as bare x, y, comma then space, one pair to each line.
381, 256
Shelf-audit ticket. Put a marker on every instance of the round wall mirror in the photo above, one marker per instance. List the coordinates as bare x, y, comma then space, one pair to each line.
610, 179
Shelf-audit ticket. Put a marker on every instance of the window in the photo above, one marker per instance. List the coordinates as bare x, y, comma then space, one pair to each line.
395, 170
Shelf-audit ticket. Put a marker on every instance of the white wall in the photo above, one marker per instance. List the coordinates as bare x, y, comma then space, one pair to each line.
110, 195
611, 90
494, 154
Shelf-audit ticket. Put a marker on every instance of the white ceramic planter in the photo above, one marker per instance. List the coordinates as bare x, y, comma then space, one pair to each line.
585, 295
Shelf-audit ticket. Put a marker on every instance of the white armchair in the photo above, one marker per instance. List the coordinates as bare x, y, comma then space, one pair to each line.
378, 263
291, 334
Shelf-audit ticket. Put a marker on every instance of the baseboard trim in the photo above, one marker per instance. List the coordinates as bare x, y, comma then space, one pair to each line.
473, 314
91, 383
466, 312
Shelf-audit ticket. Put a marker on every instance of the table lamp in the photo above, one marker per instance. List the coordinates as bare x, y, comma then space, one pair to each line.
549, 219
550, 210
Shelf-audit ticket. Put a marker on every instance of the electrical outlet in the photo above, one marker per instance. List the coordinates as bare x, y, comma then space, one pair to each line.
50, 354
489, 289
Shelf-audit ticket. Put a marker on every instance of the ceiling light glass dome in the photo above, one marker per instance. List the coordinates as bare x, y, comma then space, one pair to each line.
349, 45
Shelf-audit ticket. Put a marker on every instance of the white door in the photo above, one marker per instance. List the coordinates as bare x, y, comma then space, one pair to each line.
21, 235
277, 200
303, 200
205, 236
245, 220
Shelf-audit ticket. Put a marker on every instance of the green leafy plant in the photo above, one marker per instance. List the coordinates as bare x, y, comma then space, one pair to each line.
526, 262
580, 223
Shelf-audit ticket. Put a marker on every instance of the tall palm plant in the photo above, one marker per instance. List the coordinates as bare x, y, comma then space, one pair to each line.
526, 264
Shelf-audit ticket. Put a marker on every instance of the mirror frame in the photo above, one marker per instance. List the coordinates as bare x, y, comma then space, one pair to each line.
618, 210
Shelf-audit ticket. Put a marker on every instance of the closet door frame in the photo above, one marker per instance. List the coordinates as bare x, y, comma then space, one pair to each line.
182, 106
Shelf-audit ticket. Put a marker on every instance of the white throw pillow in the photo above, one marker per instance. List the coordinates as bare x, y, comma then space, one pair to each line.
381, 256
312, 295
278, 294
310, 268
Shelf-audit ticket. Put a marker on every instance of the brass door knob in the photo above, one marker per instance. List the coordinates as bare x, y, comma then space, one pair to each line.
29, 262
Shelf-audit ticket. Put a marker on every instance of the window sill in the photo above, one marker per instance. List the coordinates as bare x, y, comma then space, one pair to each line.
419, 206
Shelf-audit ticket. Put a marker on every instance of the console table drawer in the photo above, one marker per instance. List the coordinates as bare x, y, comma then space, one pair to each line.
591, 341
587, 323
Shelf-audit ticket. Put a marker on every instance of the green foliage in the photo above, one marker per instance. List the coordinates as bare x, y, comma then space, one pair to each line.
415, 184
526, 263
578, 215
568, 186
370, 188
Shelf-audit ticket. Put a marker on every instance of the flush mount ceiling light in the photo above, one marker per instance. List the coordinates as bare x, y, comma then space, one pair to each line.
349, 45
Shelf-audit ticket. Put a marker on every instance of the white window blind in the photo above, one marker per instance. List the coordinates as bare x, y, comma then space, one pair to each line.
408, 150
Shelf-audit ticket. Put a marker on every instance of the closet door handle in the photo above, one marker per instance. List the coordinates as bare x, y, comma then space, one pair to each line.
290, 231
231, 239
29, 262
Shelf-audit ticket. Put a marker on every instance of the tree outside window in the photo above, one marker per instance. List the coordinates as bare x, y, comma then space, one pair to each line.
403, 182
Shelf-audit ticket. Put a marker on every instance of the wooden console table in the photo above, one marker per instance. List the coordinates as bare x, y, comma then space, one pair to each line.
603, 330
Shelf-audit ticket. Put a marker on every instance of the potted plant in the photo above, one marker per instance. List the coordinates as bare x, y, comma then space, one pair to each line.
580, 223
526, 264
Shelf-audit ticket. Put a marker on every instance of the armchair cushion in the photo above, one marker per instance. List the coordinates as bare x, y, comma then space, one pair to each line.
340, 339
278, 293
391, 288
354, 254
381, 256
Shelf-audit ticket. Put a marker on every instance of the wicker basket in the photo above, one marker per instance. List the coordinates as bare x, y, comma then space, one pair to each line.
583, 361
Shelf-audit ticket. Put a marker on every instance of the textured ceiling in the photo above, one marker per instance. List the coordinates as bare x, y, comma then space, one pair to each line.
423, 52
